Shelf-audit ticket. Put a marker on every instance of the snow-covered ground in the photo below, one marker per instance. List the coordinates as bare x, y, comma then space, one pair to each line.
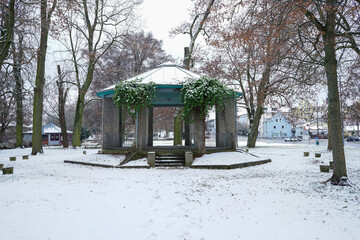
284, 199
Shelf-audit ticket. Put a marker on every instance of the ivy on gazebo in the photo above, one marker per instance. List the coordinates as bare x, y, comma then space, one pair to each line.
134, 95
201, 94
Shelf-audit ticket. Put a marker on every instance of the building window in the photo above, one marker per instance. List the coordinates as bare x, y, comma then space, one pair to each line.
277, 120
274, 109
282, 127
57, 137
274, 127
52, 137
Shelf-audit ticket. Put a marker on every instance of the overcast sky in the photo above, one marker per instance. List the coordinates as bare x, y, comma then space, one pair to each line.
161, 16
158, 16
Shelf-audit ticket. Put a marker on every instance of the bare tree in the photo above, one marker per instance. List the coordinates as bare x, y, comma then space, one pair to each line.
334, 27
255, 48
40, 75
7, 21
7, 110
199, 16
61, 107
93, 27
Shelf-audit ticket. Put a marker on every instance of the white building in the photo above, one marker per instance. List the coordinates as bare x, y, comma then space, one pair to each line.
278, 126
51, 135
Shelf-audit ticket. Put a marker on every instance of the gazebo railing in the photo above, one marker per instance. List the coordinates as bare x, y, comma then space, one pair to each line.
225, 140
120, 140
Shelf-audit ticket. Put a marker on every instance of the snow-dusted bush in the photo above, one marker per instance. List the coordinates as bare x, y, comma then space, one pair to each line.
133, 95
201, 94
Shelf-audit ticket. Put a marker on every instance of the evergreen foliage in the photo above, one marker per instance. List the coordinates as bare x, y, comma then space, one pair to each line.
133, 95
201, 94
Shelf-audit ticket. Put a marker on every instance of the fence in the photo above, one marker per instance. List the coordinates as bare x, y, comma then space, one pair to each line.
225, 140
120, 140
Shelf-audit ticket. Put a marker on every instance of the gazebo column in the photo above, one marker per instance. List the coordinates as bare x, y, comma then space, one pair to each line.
220, 126
110, 124
230, 123
150, 126
143, 128
226, 124
187, 134
199, 133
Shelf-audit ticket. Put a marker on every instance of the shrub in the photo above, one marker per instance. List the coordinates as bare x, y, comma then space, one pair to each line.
133, 95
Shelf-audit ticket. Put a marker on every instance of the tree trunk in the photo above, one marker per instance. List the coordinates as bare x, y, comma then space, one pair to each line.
254, 125
76, 140
17, 58
329, 147
254, 128
333, 94
39, 83
62, 100
40, 77
8, 27
178, 128
187, 58
80, 106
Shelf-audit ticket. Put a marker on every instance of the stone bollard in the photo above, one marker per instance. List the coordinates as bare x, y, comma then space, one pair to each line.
317, 155
306, 154
189, 159
25, 157
324, 168
151, 159
84, 152
8, 170
331, 163
12, 158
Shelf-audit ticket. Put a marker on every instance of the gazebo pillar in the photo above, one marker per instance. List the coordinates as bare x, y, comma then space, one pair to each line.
110, 124
199, 133
226, 124
143, 128
187, 134
150, 126
230, 122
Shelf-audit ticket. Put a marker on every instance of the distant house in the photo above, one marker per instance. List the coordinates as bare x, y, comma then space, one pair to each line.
51, 135
242, 124
278, 126
302, 132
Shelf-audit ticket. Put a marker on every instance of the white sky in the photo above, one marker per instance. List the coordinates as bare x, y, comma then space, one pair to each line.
161, 16
158, 16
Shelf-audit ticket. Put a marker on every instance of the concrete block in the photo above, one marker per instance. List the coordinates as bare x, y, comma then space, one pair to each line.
151, 159
8, 170
189, 159
324, 168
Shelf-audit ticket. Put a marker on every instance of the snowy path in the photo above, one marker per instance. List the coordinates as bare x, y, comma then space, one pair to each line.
47, 199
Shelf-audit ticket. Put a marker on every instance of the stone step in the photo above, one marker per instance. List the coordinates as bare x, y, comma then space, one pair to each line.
169, 153
169, 161
182, 157
169, 164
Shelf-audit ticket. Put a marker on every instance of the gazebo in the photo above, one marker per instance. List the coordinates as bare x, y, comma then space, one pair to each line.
168, 78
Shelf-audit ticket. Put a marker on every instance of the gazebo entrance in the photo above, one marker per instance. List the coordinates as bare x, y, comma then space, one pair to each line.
164, 124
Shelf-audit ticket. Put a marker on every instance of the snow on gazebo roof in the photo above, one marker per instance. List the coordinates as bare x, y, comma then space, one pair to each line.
167, 73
